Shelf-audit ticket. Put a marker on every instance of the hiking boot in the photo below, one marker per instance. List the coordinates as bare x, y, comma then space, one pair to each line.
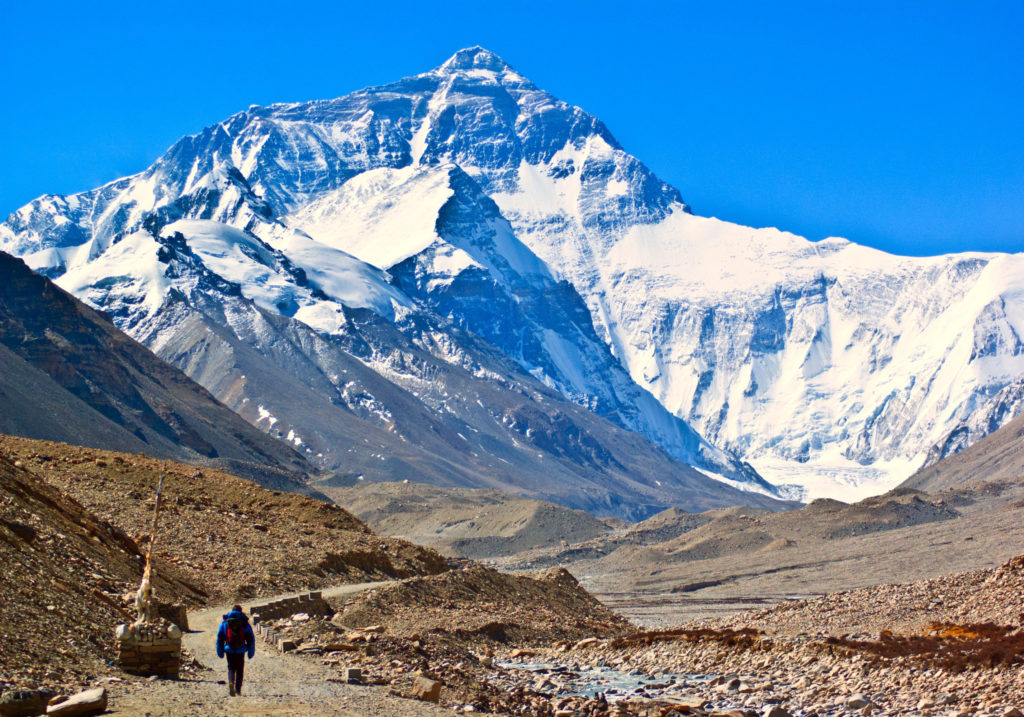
231, 690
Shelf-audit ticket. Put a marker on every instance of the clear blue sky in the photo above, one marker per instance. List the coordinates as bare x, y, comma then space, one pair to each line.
898, 125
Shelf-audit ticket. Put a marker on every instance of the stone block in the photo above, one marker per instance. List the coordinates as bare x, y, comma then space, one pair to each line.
426, 689
174, 613
352, 675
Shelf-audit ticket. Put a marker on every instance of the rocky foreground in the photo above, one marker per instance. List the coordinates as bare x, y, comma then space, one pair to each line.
470, 639
74, 526
493, 643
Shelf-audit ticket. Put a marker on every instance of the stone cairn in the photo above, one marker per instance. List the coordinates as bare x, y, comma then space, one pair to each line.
151, 645
310, 604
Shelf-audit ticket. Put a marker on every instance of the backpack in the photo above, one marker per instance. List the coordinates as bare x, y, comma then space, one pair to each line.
235, 634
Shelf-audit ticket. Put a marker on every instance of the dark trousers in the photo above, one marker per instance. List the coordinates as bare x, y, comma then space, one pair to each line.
236, 669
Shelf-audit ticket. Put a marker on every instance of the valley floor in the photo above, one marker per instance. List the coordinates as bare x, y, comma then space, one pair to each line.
275, 684
931, 647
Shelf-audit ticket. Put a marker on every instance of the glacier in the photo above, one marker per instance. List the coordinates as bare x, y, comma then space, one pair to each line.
467, 199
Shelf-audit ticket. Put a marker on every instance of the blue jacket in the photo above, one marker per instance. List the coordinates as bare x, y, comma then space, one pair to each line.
222, 636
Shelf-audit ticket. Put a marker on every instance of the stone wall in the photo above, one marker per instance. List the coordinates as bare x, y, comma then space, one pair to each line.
309, 603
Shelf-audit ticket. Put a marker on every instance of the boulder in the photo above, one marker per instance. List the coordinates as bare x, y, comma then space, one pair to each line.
426, 689
858, 702
775, 711
688, 704
89, 702
24, 531
24, 703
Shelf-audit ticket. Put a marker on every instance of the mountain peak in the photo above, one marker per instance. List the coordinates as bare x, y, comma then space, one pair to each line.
474, 58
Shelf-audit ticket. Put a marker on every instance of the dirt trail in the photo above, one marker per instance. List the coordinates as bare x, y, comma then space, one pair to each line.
275, 683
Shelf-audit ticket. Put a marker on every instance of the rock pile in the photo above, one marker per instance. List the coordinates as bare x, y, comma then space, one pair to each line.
436, 637
149, 648
309, 603
478, 604
994, 595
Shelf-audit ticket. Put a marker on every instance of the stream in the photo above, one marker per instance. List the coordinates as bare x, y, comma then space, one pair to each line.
616, 685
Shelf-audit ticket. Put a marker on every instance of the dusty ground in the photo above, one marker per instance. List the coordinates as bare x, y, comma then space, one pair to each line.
275, 684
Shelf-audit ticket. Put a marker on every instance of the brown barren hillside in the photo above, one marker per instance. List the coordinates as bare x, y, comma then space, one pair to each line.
229, 536
64, 571
68, 374
998, 456
481, 604
470, 523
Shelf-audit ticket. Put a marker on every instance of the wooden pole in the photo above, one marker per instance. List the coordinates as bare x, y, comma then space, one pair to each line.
156, 513
144, 598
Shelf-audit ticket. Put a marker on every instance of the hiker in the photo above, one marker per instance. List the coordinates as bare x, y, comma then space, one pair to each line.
235, 638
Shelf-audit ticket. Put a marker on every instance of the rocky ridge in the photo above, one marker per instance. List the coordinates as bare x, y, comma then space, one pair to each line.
67, 373
65, 570
465, 523
228, 535
996, 457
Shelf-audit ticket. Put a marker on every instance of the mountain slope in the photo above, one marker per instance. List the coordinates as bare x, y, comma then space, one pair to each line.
65, 570
250, 172
474, 524
504, 211
372, 399
997, 457
69, 374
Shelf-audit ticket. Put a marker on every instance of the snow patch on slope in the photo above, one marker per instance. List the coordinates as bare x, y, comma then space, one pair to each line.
381, 216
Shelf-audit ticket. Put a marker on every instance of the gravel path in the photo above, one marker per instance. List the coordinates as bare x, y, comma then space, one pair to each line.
275, 683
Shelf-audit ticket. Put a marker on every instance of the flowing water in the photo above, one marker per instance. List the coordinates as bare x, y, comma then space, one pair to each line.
589, 681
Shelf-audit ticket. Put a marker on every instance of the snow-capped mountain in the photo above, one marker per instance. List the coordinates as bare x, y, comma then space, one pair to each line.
342, 365
230, 200
497, 209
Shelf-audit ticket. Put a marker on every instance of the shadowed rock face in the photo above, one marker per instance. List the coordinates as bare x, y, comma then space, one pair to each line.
69, 374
